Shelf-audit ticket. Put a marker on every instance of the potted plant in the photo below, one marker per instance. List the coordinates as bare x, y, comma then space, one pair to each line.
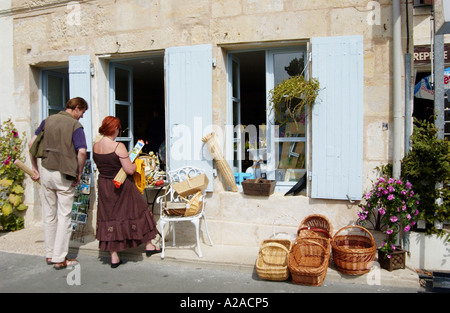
395, 204
291, 98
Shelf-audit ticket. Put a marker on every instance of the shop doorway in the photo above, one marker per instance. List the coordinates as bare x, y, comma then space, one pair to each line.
423, 108
137, 98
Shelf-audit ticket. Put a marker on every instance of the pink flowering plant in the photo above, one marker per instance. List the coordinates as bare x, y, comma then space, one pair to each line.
394, 203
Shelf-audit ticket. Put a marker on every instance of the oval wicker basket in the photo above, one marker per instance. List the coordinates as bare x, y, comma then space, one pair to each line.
353, 254
308, 262
271, 263
317, 225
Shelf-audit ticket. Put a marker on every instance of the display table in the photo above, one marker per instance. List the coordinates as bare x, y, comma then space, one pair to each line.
148, 191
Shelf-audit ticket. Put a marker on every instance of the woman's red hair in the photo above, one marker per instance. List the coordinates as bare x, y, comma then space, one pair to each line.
109, 126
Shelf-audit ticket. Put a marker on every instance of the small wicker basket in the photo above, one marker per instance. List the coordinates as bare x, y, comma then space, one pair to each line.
353, 254
193, 204
308, 262
175, 208
272, 260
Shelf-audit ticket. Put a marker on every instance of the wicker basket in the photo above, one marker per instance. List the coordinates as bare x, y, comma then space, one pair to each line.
191, 185
324, 241
315, 225
308, 262
396, 261
194, 204
175, 208
353, 254
272, 260
258, 187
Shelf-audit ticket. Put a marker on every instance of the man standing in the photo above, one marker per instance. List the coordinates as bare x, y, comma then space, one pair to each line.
64, 156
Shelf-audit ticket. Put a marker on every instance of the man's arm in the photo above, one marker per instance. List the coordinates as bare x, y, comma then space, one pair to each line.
81, 159
33, 160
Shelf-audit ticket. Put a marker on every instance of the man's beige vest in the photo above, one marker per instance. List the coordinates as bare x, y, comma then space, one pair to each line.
59, 151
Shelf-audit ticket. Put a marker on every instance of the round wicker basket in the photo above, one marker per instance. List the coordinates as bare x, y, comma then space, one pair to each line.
353, 254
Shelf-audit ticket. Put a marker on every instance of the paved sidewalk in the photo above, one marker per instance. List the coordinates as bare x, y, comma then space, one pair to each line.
30, 241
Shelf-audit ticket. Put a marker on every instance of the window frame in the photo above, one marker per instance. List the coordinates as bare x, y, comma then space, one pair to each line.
271, 138
45, 73
128, 104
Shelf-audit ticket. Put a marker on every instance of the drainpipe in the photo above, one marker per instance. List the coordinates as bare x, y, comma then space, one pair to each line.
397, 88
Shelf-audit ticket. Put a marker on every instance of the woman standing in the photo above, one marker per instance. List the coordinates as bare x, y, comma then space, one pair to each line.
123, 218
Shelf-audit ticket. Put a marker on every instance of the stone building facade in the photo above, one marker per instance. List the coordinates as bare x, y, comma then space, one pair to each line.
213, 63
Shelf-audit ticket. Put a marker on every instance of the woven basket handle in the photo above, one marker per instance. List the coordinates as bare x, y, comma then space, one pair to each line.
354, 226
297, 245
187, 180
314, 229
272, 244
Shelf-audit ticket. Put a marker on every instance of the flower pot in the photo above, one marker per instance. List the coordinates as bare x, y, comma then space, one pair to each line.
396, 261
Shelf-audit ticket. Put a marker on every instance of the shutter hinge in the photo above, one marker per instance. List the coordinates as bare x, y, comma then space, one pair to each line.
214, 62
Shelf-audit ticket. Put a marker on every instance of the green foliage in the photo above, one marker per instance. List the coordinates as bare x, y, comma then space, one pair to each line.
292, 97
11, 178
427, 167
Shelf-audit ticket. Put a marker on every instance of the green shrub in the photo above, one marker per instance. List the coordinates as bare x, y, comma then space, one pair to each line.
11, 178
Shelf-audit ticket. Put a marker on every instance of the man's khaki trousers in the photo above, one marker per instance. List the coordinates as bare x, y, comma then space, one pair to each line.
57, 200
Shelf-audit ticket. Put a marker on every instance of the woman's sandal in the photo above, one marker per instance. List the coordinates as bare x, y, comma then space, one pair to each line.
116, 265
151, 252
67, 262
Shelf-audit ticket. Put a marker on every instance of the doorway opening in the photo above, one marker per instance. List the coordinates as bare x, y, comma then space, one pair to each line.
423, 108
147, 112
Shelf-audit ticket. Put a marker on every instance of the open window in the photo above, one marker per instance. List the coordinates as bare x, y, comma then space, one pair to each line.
334, 164
55, 90
59, 84
261, 144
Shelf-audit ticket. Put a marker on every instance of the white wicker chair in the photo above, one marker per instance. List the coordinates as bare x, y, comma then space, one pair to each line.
175, 176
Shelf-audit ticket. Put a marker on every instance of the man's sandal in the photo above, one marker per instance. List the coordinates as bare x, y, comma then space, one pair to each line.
67, 262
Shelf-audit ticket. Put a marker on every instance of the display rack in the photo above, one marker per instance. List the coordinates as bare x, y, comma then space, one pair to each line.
80, 206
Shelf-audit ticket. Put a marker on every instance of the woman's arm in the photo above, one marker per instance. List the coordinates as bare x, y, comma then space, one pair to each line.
123, 154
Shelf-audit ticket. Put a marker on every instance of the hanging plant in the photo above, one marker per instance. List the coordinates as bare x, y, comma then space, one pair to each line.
11, 178
291, 98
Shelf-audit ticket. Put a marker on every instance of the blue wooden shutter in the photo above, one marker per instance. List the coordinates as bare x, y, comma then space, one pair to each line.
337, 118
188, 74
80, 86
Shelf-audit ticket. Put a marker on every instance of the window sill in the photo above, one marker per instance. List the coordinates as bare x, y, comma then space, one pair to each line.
280, 189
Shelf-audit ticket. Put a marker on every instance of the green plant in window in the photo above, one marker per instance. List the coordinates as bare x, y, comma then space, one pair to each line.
291, 98
11, 178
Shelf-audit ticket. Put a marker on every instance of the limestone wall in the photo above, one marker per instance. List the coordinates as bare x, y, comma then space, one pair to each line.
45, 33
